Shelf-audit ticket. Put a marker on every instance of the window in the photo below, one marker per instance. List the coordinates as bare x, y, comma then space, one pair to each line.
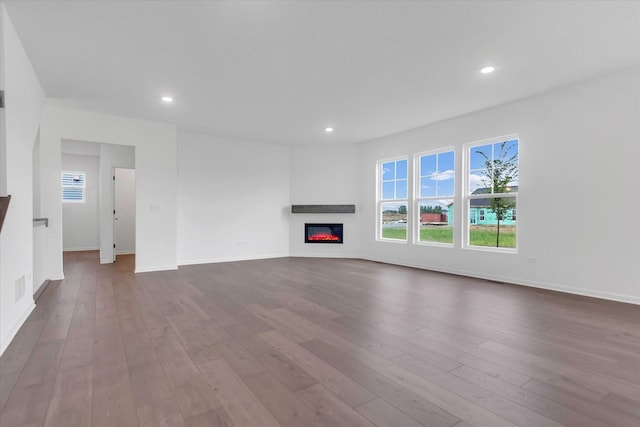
73, 187
392, 199
492, 169
436, 188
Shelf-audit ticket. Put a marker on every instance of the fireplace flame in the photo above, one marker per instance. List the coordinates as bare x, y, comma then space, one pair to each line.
323, 236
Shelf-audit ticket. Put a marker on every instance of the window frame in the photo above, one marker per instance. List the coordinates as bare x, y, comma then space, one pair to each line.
417, 200
467, 197
380, 201
83, 187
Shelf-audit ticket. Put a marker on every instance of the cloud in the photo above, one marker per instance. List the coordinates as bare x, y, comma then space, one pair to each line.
442, 176
478, 181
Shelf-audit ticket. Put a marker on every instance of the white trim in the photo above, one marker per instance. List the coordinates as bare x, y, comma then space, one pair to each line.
157, 268
396, 241
230, 259
106, 261
466, 198
380, 201
125, 252
417, 200
336, 256
16, 327
56, 277
513, 281
82, 249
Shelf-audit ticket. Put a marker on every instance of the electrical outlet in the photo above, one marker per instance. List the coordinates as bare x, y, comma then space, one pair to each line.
20, 285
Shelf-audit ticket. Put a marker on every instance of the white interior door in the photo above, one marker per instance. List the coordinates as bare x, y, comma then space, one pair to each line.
124, 215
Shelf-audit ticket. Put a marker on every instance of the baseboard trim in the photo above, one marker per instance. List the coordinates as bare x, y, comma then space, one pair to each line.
40, 290
337, 256
157, 268
230, 259
81, 249
7, 340
125, 252
513, 281
106, 261
56, 277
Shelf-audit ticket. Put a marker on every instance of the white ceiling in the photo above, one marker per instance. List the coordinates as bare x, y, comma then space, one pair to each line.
282, 71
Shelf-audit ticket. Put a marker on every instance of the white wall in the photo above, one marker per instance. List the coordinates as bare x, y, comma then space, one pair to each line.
24, 99
233, 199
80, 222
156, 180
325, 175
579, 176
35, 161
111, 156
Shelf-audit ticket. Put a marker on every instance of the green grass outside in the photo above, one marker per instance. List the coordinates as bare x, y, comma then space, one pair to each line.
479, 235
486, 236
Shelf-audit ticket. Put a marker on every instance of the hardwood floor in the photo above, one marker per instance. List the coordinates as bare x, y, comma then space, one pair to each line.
316, 342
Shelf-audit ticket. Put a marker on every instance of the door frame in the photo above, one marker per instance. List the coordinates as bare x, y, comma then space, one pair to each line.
113, 213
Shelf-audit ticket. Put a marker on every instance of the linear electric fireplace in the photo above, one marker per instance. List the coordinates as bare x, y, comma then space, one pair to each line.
323, 233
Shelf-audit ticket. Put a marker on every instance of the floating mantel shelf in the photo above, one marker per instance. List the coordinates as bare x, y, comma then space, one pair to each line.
321, 209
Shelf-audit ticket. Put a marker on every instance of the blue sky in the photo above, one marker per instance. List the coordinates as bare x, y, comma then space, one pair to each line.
437, 176
477, 178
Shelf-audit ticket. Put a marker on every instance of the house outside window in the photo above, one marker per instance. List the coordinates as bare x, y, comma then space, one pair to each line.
393, 199
74, 186
491, 194
435, 184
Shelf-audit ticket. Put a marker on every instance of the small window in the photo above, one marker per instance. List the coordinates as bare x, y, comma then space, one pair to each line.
73, 187
492, 170
393, 199
435, 190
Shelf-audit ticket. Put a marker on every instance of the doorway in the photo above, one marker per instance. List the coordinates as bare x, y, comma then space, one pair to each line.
124, 213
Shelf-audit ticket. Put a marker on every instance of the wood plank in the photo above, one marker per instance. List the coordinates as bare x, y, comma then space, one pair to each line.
191, 392
160, 413
315, 342
192, 339
405, 400
243, 407
283, 368
505, 408
540, 404
281, 402
331, 408
344, 387
71, 400
216, 418
382, 414
597, 410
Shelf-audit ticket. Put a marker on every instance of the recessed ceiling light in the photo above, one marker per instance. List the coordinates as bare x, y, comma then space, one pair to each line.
167, 99
487, 70
328, 130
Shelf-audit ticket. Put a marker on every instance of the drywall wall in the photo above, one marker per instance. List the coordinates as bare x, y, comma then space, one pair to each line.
111, 156
24, 100
579, 155
156, 180
233, 199
80, 222
325, 175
